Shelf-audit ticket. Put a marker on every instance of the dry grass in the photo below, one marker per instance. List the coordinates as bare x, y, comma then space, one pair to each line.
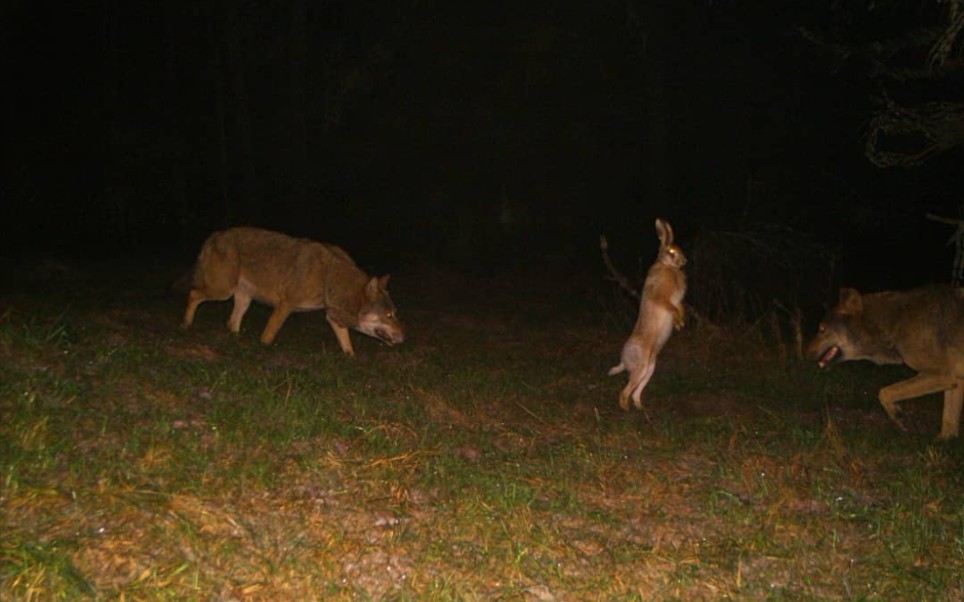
485, 459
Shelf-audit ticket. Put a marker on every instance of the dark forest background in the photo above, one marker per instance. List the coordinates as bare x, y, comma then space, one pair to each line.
485, 136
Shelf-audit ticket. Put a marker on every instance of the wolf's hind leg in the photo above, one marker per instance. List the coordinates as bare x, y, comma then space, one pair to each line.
953, 401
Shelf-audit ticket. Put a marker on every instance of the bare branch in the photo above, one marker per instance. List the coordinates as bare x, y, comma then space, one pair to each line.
956, 239
940, 125
940, 43
878, 56
946, 220
795, 317
944, 46
615, 275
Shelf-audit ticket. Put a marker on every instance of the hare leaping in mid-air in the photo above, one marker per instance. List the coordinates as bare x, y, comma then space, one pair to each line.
660, 310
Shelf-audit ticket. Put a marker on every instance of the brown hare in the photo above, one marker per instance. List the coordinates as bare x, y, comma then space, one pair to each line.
660, 311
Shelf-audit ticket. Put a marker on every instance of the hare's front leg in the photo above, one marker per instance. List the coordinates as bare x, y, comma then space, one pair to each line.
679, 316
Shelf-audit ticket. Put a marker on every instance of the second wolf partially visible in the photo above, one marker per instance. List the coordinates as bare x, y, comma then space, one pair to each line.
923, 328
660, 310
291, 274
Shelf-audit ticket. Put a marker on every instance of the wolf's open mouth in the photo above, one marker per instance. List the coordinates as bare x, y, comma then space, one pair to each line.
828, 356
385, 336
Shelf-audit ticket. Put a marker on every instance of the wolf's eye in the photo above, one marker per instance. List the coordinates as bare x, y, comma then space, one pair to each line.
390, 315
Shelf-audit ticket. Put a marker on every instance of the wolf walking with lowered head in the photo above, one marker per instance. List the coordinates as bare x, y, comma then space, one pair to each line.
922, 328
660, 311
291, 274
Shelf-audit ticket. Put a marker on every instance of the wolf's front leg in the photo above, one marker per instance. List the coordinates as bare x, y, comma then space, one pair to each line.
922, 384
278, 317
343, 339
893, 410
953, 402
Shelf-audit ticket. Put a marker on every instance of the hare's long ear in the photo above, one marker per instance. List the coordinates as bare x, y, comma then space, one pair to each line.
665, 232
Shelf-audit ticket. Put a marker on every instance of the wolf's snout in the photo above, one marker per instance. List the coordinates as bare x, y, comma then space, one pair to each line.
390, 337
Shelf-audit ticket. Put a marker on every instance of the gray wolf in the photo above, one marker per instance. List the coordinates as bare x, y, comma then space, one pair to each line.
922, 328
660, 310
291, 274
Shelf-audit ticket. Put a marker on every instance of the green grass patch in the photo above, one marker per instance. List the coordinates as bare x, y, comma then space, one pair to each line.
483, 459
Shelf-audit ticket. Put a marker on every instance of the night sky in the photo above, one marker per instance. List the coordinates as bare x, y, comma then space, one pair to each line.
485, 136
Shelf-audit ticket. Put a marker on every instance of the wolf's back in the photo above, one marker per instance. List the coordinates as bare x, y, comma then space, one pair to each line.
275, 266
950, 313
953, 336
930, 329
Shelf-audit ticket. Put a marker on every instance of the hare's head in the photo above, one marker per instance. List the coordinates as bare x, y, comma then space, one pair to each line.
669, 253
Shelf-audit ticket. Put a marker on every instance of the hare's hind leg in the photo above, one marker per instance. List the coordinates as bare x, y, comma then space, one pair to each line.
645, 374
624, 395
635, 374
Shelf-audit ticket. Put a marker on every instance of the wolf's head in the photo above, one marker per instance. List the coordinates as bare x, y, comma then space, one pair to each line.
834, 341
845, 335
376, 317
828, 345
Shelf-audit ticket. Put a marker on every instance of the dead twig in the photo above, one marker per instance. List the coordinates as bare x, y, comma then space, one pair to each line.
956, 239
795, 318
615, 275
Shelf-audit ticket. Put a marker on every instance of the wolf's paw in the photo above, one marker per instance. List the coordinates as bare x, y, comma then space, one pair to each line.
894, 412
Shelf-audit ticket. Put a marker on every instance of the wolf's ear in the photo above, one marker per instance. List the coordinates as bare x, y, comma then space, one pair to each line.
383, 281
371, 289
850, 302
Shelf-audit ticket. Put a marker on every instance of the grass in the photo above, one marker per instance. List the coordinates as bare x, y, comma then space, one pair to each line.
483, 459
